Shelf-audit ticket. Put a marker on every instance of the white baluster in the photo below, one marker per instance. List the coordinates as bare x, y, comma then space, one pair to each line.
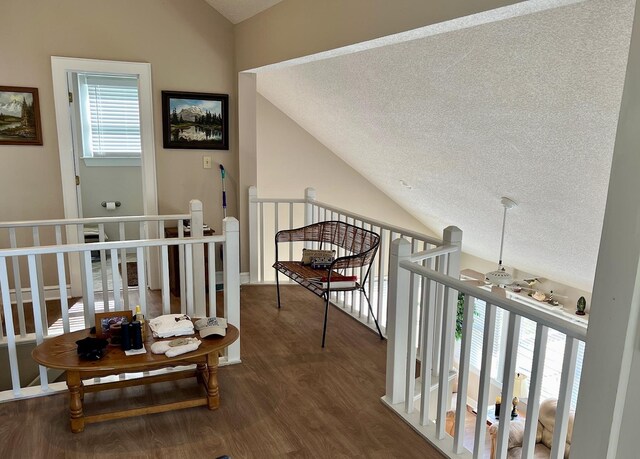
182, 269
17, 283
231, 274
535, 386
189, 277
115, 278
382, 248
212, 278
463, 374
166, 297
64, 297
8, 320
397, 322
253, 235
37, 313
290, 227
410, 383
310, 197
89, 307
40, 278
103, 269
123, 267
262, 242
511, 353
142, 280
448, 338
485, 377
197, 222
428, 326
564, 399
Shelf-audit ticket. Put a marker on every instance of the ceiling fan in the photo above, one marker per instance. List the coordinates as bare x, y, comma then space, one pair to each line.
500, 277
500, 280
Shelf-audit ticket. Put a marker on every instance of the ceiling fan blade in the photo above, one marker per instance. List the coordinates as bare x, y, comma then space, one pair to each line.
498, 291
473, 274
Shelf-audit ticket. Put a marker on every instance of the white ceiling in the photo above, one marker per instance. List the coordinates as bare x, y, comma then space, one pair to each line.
238, 10
525, 107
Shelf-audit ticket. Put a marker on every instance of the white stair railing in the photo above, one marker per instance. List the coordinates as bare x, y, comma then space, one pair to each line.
82, 314
35, 233
267, 216
407, 310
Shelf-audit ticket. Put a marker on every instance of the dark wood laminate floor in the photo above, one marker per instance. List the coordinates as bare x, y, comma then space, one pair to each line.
289, 398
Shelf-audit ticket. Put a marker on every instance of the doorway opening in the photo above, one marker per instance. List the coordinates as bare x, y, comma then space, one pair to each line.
104, 118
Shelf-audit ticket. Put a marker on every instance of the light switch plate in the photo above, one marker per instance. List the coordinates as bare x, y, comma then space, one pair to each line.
206, 162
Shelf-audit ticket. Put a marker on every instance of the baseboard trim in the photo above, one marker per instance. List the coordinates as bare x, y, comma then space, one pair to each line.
51, 292
244, 278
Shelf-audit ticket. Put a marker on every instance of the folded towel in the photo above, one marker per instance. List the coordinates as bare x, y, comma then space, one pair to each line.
192, 345
171, 325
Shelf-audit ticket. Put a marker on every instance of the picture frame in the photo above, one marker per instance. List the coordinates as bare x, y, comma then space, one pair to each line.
20, 116
106, 319
195, 120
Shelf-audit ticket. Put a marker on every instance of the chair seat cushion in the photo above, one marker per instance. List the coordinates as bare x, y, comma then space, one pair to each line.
540, 452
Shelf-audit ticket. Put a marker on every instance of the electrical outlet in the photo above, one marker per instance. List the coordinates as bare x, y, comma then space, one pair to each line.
206, 162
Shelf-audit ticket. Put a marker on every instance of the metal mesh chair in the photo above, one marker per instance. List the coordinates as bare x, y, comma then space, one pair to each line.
361, 246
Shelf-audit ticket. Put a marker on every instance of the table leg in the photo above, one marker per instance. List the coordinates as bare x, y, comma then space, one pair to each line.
75, 401
213, 394
200, 369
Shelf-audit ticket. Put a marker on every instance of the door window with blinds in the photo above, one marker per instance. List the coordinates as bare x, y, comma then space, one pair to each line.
110, 117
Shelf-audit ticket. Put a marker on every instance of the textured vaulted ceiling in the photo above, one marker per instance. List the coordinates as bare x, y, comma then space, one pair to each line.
524, 107
238, 10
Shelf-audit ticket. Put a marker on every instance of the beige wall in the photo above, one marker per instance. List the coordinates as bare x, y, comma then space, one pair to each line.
295, 28
190, 47
290, 160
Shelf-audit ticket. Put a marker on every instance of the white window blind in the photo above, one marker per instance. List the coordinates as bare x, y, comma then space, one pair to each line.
110, 116
477, 338
553, 361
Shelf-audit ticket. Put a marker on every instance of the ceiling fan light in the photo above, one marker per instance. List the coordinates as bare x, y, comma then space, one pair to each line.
499, 277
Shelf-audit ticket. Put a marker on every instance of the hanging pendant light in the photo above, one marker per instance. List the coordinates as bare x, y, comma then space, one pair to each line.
500, 276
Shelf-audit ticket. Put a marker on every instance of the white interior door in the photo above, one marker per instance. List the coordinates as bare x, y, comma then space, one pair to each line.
62, 67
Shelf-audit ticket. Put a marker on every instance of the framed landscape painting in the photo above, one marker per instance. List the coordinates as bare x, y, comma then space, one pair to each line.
195, 120
19, 116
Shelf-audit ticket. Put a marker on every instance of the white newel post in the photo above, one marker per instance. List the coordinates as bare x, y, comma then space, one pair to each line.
197, 221
397, 321
231, 273
309, 197
452, 235
253, 235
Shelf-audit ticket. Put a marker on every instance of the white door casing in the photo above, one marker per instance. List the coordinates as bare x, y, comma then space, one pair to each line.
60, 66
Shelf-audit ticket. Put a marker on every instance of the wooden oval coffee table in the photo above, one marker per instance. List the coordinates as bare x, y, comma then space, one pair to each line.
60, 352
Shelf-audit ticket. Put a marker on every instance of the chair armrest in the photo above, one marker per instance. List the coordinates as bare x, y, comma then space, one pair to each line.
516, 433
288, 235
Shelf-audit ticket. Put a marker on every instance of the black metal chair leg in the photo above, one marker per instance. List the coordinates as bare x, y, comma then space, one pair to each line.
371, 312
278, 288
326, 312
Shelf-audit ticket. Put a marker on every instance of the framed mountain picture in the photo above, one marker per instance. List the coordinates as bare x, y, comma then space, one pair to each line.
195, 120
19, 116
